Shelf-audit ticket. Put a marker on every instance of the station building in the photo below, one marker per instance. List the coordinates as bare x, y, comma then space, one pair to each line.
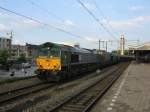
141, 52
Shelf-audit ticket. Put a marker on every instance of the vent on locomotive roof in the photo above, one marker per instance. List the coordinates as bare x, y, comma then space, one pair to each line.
48, 44
77, 45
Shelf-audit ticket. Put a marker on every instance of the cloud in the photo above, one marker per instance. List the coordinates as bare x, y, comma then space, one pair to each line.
131, 23
95, 39
3, 28
12, 22
65, 25
142, 19
15, 22
91, 39
136, 8
69, 23
26, 24
18, 42
123, 24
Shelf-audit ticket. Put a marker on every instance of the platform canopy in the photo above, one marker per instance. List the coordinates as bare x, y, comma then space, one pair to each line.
141, 52
142, 47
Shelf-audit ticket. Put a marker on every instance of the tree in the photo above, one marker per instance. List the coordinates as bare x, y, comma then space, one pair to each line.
22, 58
116, 52
4, 55
126, 52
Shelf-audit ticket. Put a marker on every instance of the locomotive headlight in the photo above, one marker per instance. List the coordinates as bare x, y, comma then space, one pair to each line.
56, 67
41, 66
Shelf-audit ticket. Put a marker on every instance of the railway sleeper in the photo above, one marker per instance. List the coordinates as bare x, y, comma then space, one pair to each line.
75, 106
70, 109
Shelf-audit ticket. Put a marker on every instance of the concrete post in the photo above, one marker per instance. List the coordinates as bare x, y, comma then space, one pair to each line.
122, 44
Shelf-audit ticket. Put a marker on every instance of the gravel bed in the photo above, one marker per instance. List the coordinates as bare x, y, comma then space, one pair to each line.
61, 95
44, 100
19, 84
63, 92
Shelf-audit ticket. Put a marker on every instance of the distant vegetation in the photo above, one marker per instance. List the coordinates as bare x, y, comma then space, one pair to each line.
21, 59
4, 55
6, 63
126, 52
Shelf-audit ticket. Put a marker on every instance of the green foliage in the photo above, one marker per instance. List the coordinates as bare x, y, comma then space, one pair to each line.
126, 52
4, 55
116, 52
22, 58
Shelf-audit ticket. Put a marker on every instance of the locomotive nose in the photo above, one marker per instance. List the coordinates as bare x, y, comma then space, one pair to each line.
51, 64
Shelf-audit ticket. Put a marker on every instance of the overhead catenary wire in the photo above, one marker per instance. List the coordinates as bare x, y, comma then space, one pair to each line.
50, 13
42, 23
45, 10
96, 19
103, 15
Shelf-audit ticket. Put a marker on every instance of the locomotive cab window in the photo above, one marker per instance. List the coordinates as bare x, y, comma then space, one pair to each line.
43, 52
49, 52
54, 52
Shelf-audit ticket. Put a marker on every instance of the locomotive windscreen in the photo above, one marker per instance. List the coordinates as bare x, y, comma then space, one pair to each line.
49, 52
54, 52
43, 53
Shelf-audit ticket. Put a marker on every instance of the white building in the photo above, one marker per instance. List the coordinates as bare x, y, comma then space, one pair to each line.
18, 50
5, 43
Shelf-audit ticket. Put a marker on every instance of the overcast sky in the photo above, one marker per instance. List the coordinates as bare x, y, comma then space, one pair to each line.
128, 17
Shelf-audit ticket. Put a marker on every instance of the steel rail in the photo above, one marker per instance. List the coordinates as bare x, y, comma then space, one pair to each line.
16, 94
84, 100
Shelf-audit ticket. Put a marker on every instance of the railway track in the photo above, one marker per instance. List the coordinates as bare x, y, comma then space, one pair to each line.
85, 99
13, 95
8, 96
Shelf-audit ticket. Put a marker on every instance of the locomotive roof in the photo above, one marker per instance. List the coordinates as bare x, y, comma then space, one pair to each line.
66, 47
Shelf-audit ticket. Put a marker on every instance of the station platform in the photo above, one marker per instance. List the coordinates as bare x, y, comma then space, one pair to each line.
131, 92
